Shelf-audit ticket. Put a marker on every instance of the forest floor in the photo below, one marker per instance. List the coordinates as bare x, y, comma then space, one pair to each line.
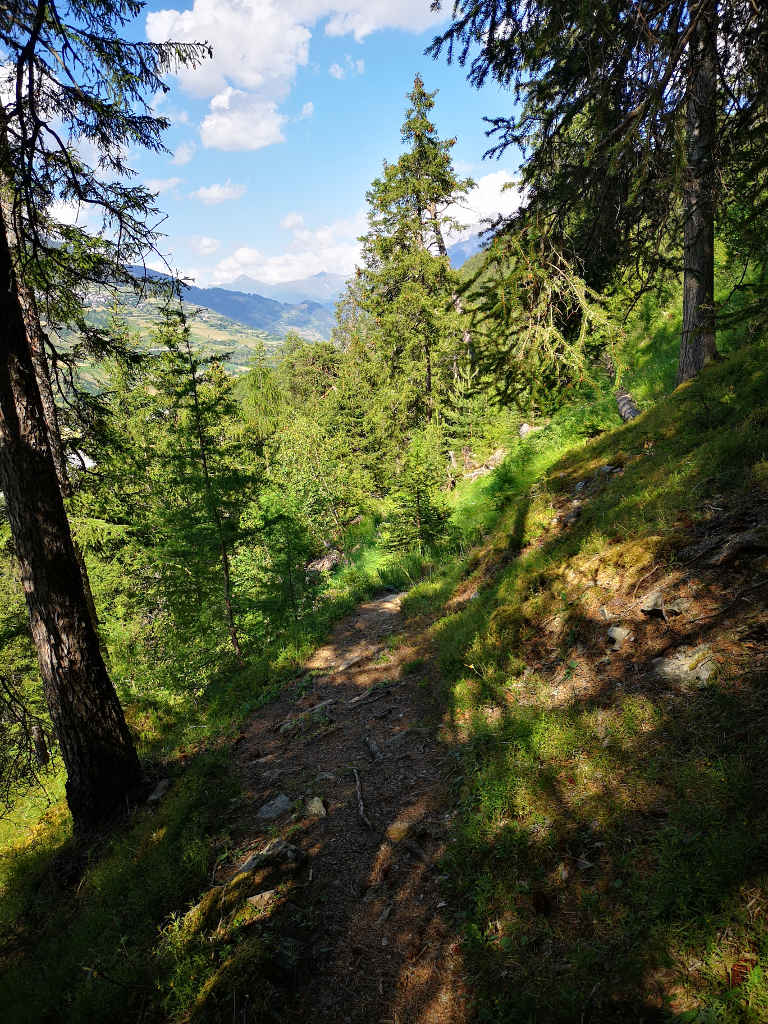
354, 746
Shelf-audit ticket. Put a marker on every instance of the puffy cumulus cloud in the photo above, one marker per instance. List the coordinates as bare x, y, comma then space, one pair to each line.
211, 194
333, 248
360, 18
163, 185
204, 245
494, 195
184, 153
241, 121
259, 45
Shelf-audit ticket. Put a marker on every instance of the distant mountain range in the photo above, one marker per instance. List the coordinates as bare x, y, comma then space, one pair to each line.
324, 288
312, 320
460, 252
246, 314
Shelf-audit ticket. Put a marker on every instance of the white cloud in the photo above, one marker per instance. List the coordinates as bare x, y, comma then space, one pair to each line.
362, 17
307, 111
291, 221
241, 121
184, 153
211, 194
333, 248
204, 245
350, 67
494, 195
162, 185
258, 47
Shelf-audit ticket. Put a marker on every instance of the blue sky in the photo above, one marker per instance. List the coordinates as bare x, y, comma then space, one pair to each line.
276, 140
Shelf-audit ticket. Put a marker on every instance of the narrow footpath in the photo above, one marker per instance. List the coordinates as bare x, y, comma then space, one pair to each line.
348, 768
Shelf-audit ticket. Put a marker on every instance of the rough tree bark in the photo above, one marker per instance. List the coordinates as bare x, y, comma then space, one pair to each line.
98, 753
36, 339
698, 346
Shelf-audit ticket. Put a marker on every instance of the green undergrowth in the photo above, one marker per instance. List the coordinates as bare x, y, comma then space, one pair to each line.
87, 931
610, 854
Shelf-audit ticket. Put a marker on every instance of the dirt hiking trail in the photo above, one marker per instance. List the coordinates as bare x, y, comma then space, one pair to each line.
347, 767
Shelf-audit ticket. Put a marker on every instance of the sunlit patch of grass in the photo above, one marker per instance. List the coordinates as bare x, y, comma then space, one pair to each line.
601, 850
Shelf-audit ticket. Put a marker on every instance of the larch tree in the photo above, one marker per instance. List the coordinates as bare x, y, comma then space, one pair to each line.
634, 116
407, 286
73, 83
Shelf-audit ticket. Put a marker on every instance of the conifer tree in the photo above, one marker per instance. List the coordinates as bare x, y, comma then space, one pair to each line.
417, 519
71, 79
604, 93
408, 288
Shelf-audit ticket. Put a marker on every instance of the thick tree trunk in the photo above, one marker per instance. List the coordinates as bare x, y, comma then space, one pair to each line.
101, 762
698, 340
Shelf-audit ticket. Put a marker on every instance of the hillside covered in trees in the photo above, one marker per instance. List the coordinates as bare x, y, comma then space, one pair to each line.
416, 673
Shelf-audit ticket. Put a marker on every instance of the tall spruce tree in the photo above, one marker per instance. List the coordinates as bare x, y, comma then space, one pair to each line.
72, 81
408, 288
634, 115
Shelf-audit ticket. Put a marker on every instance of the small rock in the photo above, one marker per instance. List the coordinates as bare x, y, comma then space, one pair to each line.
524, 429
325, 777
688, 665
262, 899
315, 807
275, 808
653, 604
580, 486
608, 469
159, 791
277, 852
604, 613
327, 563
618, 636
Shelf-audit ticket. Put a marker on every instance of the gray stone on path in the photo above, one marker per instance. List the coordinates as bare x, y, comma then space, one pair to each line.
653, 604
315, 807
262, 899
277, 852
687, 665
618, 636
275, 808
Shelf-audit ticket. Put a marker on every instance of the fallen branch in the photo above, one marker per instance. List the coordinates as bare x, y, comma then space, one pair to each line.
291, 723
371, 693
360, 805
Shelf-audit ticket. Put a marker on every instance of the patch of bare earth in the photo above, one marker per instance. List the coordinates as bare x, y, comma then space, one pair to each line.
370, 939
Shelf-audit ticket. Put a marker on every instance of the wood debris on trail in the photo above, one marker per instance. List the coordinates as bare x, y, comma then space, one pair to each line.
365, 914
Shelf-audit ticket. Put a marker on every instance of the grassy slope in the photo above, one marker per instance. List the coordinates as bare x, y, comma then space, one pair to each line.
611, 846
